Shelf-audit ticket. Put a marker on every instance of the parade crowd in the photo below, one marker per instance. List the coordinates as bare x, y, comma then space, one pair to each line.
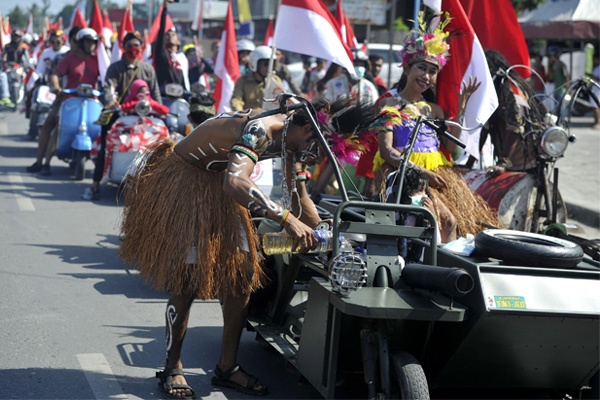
205, 246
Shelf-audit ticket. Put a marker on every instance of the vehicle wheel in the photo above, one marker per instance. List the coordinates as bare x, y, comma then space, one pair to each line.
79, 159
561, 215
528, 249
409, 376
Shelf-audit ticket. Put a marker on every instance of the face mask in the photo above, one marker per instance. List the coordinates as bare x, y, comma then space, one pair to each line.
360, 71
416, 200
133, 52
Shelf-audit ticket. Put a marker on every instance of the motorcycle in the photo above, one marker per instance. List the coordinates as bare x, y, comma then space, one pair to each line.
15, 73
128, 137
42, 99
76, 127
359, 320
175, 97
529, 199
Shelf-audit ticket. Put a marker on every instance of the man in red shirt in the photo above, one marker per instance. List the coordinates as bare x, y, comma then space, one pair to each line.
77, 67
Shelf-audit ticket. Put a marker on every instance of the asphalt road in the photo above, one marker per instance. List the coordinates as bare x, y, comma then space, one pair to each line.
78, 324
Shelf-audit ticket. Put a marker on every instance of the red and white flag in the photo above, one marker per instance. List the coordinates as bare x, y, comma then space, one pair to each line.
54, 25
345, 26
125, 27
77, 19
29, 28
467, 60
153, 33
197, 22
227, 66
488, 18
97, 24
268, 40
107, 29
4, 38
320, 33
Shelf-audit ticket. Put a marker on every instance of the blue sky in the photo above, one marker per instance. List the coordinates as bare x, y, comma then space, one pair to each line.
55, 5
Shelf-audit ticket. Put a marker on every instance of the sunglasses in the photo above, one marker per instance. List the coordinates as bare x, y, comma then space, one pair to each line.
129, 45
55, 42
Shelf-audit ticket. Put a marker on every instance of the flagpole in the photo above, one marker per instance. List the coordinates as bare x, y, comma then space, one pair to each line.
270, 68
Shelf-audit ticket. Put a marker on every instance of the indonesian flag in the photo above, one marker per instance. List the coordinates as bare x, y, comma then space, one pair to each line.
467, 60
97, 24
77, 19
29, 28
345, 26
39, 47
125, 27
107, 29
268, 40
227, 65
4, 38
488, 18
156, 24
320, 33
55, 25
197, 22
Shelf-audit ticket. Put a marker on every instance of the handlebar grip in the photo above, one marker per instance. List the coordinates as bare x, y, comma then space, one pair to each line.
441, 130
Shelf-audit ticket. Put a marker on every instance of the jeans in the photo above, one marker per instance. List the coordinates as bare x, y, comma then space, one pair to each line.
4, 92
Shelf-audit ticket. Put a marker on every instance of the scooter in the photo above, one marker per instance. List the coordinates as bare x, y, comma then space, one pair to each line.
175, 97
15, 73
128, 137
361, 321
42, 100
76, 128
530, 200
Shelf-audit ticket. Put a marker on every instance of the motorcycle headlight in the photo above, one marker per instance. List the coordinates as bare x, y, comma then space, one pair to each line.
554, 141
142, 108
348, 272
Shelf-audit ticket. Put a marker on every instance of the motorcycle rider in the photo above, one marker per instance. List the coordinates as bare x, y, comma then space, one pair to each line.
119, 77
244, 48
77, 67
16, 50
4, 91
249, 90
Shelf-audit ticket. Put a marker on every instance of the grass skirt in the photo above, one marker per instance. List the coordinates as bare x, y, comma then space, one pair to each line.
172, 205
472, 213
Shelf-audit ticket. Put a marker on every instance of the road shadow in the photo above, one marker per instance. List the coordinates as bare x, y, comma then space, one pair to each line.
584, 215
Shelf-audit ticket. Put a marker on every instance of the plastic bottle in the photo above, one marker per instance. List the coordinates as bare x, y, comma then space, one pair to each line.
282, 243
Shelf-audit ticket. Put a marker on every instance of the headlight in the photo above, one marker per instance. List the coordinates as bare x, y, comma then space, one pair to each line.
142, 108
347, 272
554, 141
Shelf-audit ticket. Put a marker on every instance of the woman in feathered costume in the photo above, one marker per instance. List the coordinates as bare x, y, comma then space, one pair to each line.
423, 55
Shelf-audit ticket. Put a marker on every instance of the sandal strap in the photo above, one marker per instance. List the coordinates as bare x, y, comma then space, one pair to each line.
169, 372
227, 373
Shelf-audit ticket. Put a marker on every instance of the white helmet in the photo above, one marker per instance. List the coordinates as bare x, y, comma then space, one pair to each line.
245, 44
27, 38
259, 53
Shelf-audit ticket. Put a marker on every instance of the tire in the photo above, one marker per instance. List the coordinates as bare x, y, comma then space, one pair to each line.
79, 159
409, 376
528, 249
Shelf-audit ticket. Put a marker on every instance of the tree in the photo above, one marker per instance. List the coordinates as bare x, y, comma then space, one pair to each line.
522, 5
18, 18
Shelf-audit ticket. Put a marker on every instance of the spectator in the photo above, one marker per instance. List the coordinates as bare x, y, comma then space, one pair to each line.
170, 64
332, 72
376, 62
596, 77
316, 74
346, 85
199, 68
557, 73
282, 71
538, 83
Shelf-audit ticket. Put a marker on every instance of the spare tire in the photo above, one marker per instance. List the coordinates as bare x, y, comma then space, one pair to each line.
528, 249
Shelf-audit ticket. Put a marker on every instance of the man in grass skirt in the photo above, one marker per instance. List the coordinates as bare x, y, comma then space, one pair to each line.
187, 225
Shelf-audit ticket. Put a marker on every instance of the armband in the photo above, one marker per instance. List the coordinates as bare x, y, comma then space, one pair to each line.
251, 154
303, 176
284, 217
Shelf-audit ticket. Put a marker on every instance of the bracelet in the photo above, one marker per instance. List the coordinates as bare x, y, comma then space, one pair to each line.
302, 176
251, 154
286, 214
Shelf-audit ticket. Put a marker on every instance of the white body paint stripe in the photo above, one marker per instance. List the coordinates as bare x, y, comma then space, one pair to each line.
17, 186
201, 152
195, 156
213, 148
100, 377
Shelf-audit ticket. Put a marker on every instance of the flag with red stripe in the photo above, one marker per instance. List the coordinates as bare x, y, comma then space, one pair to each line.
227, 66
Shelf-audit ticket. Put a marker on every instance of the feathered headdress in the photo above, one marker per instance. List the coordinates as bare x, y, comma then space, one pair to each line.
425, 45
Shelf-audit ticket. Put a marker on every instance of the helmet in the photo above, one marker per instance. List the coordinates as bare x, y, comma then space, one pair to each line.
86, 34
245, 44
27, 38
359, 55
259, 53
17, 32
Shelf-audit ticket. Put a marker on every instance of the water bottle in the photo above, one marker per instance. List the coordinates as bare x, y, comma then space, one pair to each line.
282, 243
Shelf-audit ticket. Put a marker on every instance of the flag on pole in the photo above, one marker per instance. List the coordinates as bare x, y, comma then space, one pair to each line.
490, 18
153, 33
197, 22
321, 35
4, 39
125, 27
97, 24
107, 29
268, 40
245, 18
227, 66
29, 28
345, 26
467, 60
77, 19
55, 25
